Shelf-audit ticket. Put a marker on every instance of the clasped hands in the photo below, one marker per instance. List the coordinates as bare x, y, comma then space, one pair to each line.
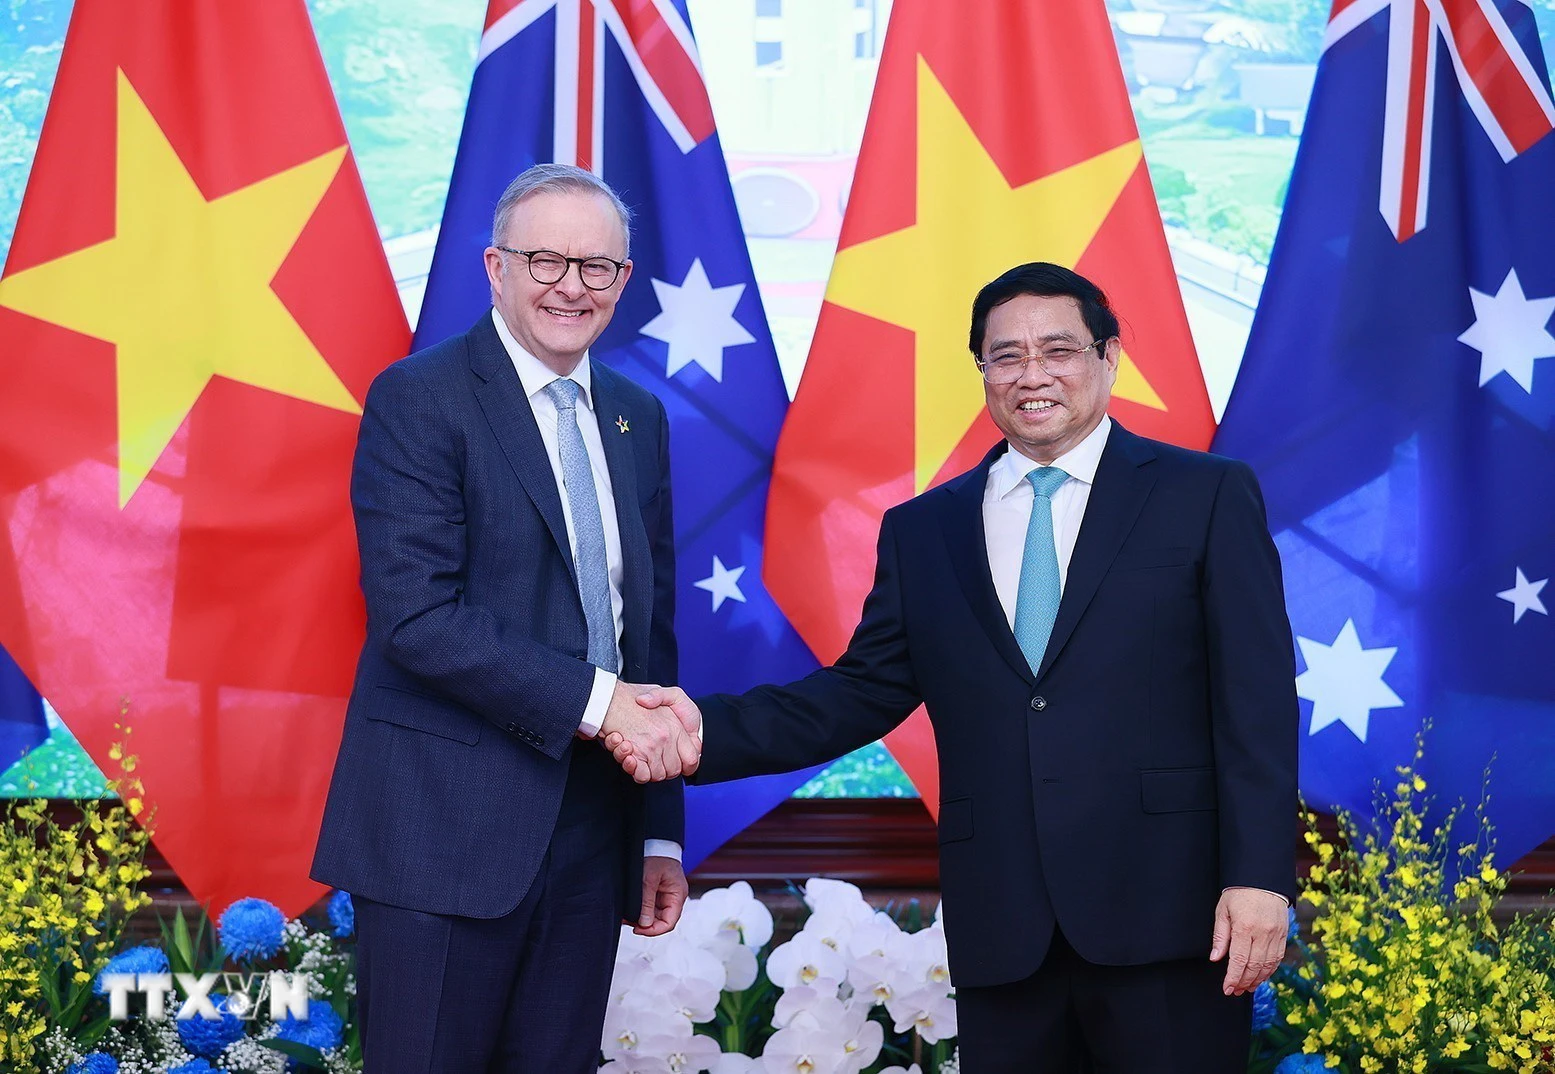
654, 732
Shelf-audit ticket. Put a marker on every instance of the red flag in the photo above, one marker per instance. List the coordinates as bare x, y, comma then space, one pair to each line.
1000, 133
193, 307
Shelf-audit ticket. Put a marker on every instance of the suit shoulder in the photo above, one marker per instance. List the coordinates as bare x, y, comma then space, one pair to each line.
930, 503
442, 359
1190, 461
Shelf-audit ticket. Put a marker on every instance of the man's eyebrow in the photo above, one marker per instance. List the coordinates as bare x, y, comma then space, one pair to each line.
1051, 337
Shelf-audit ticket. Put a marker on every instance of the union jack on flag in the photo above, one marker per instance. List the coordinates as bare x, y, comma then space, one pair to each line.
1396, 405
1499, 81
616, 86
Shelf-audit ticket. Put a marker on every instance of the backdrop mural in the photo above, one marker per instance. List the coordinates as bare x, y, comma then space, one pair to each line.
1219, 92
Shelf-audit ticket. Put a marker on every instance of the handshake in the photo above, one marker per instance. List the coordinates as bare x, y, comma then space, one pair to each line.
654, 732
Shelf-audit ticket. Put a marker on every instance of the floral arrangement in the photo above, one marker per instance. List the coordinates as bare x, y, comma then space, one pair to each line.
1407, 969
250, 938
854, 990
69, 890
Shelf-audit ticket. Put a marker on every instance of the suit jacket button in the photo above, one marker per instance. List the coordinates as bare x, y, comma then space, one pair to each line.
1038, 703
512, 728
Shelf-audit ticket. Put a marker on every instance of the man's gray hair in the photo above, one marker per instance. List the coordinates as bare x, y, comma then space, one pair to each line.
556, 178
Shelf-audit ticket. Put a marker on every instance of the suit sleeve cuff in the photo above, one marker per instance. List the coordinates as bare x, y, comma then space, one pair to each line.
661, 848
599, 702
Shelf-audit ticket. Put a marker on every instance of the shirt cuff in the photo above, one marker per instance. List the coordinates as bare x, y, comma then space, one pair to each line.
661, 848
599, 702
1278, 895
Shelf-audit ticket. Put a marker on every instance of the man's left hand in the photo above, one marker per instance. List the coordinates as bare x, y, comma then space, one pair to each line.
1250, 934
664, 896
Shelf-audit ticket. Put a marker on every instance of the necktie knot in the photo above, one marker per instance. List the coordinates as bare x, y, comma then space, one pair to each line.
564, 393
1046, 479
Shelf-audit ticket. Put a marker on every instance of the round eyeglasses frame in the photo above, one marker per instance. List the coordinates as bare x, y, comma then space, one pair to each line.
598, 265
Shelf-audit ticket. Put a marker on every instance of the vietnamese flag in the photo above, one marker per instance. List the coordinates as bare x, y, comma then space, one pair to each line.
1000, 133
192, 310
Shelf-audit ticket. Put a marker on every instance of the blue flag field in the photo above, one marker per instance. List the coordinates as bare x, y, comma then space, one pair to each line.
1397, 404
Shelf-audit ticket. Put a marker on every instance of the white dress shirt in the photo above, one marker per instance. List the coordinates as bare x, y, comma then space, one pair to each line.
535, 376
1007, 501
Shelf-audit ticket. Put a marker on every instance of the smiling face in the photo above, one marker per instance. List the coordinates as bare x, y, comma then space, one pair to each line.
1043, 416
557, 322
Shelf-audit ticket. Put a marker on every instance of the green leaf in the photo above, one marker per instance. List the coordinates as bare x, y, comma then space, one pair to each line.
180, 949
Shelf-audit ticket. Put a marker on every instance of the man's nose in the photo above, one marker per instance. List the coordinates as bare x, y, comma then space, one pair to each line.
1032, 375
571, 283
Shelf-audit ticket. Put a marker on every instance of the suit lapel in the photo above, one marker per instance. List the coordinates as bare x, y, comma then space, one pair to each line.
967, 541
1123, 482
621, 448
512, 421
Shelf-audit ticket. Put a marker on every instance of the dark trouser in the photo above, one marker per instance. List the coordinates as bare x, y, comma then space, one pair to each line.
516, 994
1075, 1017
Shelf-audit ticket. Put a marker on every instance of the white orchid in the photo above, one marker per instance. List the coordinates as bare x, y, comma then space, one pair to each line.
925, 959
635, 1017
734, 909
806, 960
928, 1011
846, 959
821, 892
803, 1050
739, 964
914, 1069
800, 1000
860, 1037
876, 953
683, 1050
636, 1064
836, 909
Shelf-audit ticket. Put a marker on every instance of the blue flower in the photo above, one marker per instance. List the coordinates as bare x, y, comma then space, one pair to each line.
142, 959
210, 1036
1265, 1007
342, 914
95, 1063
251, 929
196, 1066
1301, 1064
321, 1029
1292, 930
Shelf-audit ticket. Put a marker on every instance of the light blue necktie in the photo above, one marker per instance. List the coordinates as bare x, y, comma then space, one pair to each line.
1036, 602
588, 529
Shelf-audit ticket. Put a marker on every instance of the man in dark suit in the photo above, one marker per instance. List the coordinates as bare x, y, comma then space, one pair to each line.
1096, 624
512, 508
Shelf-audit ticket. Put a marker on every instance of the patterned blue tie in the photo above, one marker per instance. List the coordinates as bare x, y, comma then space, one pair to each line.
588, 529
1036, 602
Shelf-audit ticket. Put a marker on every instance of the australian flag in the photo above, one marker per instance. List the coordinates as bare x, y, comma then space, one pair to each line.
22, 724
1397, 400
615, 86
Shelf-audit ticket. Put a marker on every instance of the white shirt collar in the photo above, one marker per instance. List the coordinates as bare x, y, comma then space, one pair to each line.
534, 374
1079, 462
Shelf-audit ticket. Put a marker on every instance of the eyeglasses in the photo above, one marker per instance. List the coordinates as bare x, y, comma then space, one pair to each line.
548, 266
1055, 362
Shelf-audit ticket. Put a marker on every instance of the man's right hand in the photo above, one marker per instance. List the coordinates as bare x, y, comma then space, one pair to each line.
657, 699
649, 744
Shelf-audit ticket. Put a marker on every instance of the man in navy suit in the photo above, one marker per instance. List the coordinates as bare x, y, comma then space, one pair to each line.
1096, 624
512, 509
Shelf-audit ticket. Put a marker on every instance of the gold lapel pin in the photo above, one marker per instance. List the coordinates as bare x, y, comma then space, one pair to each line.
622, 424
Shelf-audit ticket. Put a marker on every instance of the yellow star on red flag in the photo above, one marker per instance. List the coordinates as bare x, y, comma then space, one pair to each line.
971, 226
183, 289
